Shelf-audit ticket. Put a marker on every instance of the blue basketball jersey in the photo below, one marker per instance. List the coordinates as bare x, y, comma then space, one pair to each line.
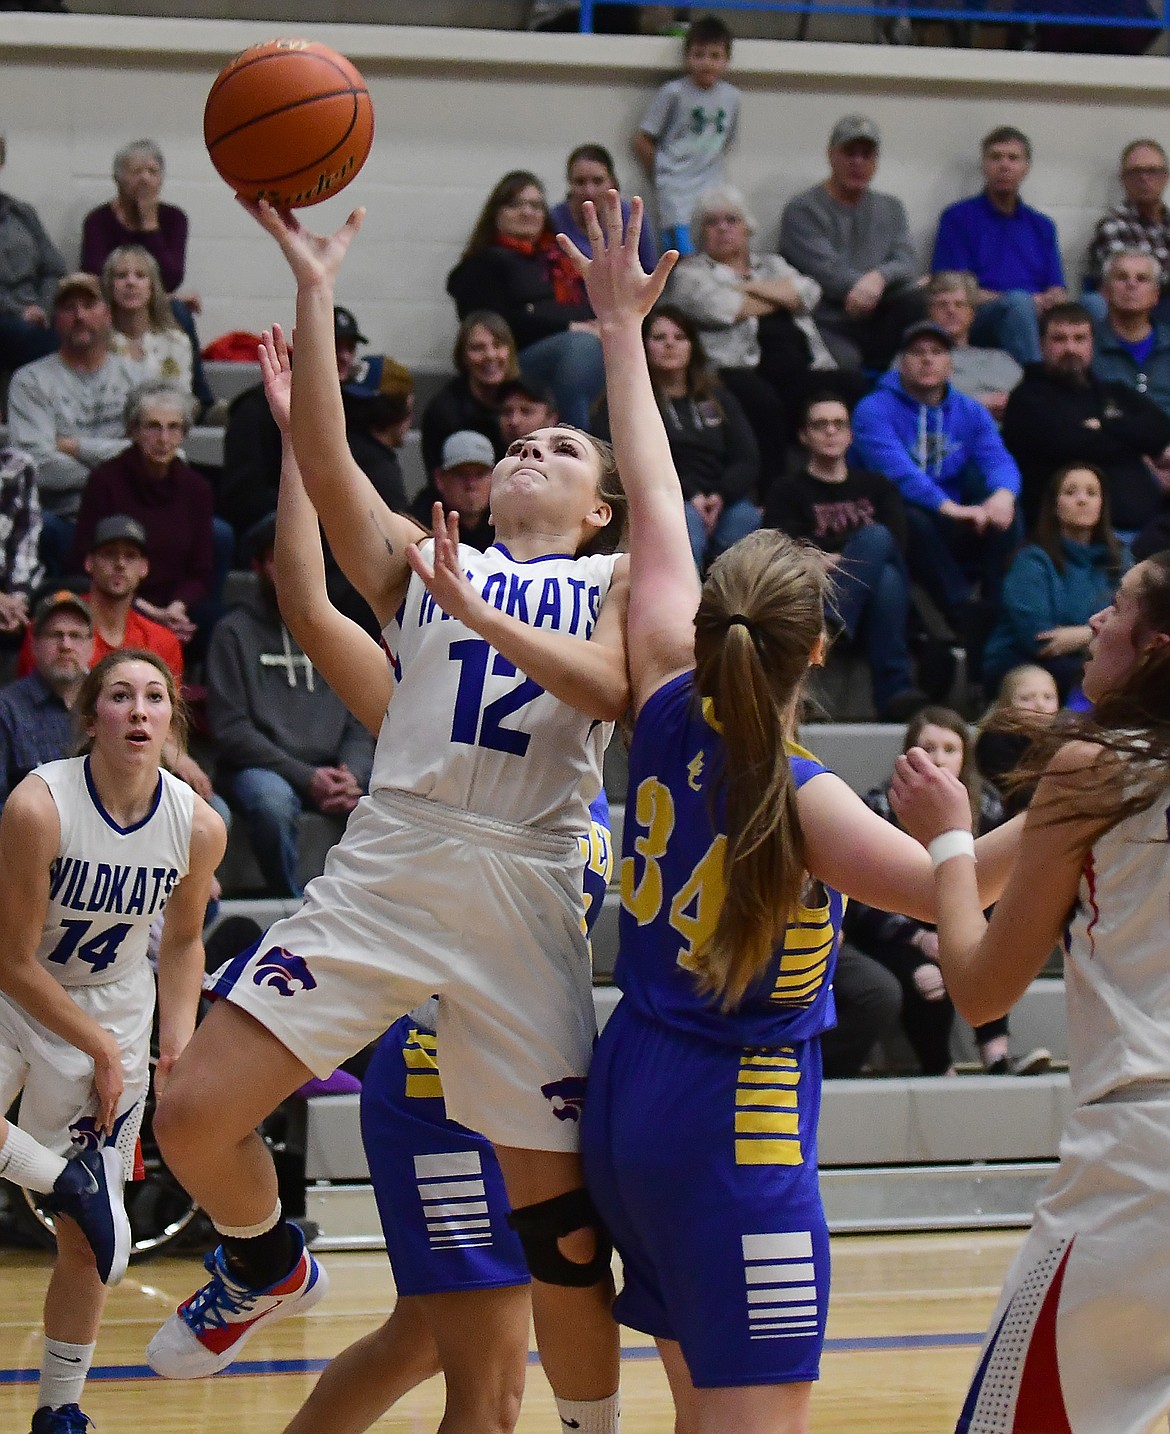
672, 888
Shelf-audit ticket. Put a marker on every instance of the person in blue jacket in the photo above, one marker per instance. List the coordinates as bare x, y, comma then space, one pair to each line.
1057, 582
958, 480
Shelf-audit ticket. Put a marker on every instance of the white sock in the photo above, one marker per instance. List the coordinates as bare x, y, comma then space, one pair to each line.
27, 1162
63, 1370
591, 1416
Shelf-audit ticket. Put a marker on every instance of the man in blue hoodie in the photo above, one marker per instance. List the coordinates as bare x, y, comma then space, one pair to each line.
958, 480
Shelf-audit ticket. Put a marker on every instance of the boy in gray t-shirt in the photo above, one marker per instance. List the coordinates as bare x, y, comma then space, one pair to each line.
686, 129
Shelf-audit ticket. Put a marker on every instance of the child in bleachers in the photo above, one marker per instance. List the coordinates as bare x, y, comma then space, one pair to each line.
687, 129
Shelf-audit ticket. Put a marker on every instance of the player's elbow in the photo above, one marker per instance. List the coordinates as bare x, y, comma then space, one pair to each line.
611, 698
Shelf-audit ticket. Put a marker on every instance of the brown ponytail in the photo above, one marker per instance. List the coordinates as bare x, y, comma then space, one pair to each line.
759, 619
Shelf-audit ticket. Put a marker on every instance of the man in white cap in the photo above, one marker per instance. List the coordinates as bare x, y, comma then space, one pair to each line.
463, 484
856, 244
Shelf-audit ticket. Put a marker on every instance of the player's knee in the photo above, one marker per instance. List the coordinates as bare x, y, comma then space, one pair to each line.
182, 1122
564, 1240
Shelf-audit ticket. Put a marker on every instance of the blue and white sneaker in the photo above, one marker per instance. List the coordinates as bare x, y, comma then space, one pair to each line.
89, 1192
208, 1330
67, 1419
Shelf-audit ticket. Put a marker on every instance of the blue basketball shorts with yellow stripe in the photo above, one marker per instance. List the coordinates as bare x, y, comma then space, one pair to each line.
701, 1160
439, 1188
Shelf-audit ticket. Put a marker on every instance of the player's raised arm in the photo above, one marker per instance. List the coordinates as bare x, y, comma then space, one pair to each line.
348, 658
664, 587
368, 540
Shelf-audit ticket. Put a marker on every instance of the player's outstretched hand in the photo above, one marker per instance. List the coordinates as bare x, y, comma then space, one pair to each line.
927, 800
313, 258
445, 580
618, 287
276, 370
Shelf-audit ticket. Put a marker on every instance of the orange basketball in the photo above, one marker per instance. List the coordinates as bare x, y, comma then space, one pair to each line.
289, 121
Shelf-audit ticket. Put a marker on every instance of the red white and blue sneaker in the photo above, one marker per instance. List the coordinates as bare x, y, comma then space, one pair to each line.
208, 1330
65, 1419
89, 1191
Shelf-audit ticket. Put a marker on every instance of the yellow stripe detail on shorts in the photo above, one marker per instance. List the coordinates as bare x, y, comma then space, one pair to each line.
768, 1152
424, 1086
766, 1122
755, 1096
767, 1116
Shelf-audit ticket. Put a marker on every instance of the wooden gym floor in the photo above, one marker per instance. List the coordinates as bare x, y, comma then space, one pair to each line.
905, 1323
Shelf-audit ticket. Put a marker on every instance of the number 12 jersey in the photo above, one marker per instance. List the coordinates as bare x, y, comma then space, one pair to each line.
465, 727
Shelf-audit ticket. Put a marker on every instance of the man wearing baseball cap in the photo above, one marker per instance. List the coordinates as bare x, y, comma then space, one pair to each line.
346, 337
958, 481
36, 720
463, 484
855, 243
117, 564
525, 404
65, 410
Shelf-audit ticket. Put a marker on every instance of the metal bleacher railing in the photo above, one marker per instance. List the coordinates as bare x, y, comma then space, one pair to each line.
988, 12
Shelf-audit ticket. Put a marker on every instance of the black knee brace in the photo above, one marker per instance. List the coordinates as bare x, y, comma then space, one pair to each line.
540, 1226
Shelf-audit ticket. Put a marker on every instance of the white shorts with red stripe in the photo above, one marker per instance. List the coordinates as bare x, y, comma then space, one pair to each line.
1080, 1342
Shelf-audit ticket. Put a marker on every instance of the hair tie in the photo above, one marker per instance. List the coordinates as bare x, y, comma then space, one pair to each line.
737, 619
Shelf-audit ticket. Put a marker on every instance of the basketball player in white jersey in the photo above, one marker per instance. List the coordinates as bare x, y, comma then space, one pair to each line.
1080, 1342
461, 1282
93, 849
460, 874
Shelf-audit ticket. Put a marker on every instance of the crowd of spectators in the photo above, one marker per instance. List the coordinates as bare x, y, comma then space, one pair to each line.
976, 453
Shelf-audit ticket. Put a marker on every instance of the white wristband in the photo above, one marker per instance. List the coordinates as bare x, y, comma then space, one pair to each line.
949, 844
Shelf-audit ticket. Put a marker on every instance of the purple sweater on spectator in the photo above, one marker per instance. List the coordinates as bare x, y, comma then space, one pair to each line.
176, 513
103, 232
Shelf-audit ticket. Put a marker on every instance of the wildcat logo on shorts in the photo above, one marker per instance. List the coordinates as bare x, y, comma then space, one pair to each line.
567, 1097
84, 1134
284, 971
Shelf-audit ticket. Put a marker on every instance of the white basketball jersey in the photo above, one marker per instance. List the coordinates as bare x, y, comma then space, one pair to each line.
108, 883
1117, 963
465, 727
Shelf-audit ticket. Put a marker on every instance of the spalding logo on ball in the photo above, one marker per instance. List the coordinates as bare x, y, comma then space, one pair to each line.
289, 121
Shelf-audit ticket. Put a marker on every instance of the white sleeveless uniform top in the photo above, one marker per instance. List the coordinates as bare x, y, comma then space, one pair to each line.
466, 728
108, 883
1117, 963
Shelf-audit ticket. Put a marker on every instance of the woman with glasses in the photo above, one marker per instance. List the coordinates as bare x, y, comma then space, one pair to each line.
512, 267
150, 482
857, 520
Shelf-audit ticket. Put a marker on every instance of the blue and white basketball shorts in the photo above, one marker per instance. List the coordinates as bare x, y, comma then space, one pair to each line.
701, 1160
55, 1079
419, 899
439, 1188
1080, 1341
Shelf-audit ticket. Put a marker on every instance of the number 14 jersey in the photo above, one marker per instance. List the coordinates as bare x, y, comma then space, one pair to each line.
109, 883
466, 728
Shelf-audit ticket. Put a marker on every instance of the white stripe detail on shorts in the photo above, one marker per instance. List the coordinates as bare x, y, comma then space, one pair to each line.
781, 1303
454, 1199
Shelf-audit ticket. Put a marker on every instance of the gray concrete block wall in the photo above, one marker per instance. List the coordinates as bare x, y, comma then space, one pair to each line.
456, 108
